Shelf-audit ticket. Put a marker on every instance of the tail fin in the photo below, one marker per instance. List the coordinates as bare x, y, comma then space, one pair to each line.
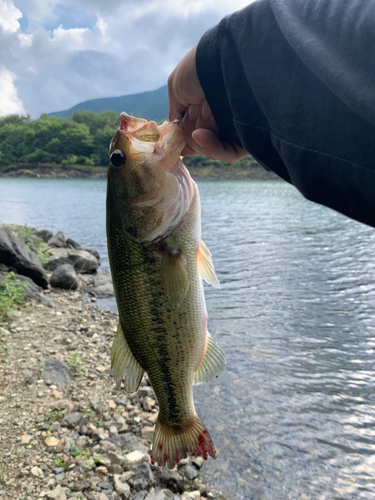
171, 444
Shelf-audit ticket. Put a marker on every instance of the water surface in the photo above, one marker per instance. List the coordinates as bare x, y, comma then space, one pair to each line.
293, 415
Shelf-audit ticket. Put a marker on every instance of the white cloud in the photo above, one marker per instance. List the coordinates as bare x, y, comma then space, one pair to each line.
102, 26
75, 50
9, 15
25, 40
70, 39
9, 100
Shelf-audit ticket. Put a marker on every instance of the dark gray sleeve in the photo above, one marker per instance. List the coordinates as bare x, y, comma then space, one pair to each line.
294, 83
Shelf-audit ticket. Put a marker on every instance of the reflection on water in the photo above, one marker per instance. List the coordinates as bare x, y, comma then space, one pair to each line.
293, 415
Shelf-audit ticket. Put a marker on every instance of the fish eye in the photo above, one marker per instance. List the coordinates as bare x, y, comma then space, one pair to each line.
117, 158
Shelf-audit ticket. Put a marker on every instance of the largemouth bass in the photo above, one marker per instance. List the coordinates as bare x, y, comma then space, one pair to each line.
157, 261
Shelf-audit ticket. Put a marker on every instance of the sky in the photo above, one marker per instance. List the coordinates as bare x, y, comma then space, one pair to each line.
55, 54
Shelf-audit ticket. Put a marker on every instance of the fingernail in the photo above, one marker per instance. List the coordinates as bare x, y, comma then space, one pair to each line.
193, 112
206, 112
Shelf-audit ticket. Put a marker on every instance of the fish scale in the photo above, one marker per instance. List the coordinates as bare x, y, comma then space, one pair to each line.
157, 262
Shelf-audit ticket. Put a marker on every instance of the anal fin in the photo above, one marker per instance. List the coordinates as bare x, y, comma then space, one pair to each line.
213, 362
206, 266
124, 364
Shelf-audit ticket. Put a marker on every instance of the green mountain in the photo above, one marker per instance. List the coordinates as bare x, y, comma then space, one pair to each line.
152, 105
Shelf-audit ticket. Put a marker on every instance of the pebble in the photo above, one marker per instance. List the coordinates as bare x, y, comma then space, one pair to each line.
133, 458
74, 440
122, 488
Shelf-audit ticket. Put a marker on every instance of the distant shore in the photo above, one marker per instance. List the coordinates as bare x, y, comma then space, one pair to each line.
59, 171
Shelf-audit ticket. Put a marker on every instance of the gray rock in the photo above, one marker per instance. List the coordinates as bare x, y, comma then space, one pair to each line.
72, 244
55, 263
141, 495
58, 240
72, 420
105, 485
93, 252
64, 277
33, 291
15, 254
57, 371
143, 477
145, 391
103, 283
159, 495
81, 485
83, 261
127, 442
189, 471
169, 479
121, 487
44, 234
115, 458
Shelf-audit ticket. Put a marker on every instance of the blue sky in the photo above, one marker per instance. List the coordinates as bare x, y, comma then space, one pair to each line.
54, 54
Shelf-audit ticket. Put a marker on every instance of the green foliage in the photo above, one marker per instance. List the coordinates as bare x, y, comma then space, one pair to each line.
59, 462
82, 139
75, 362
3, 478
37, 245
78, 452
12, 293
56, 416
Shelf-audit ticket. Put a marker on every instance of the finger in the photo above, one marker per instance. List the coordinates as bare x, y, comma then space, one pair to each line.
206, 119
176, 109
188, 151
216, 149
188, 126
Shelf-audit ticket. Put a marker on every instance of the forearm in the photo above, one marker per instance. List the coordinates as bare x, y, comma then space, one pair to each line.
271, 98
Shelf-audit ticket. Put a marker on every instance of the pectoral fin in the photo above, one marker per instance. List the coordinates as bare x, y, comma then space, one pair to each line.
206, 266
124, 364
213, 362
174, 277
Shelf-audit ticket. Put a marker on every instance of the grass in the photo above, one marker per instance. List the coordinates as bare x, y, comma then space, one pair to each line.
80, 453
12, 295
75, 362
34, 243
3, 478
59, 462
56, 415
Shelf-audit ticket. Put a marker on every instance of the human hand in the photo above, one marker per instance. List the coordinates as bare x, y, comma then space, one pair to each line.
200, 130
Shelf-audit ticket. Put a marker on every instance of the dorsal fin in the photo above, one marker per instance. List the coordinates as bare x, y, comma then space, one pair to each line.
206, 266
213, 362
124, 364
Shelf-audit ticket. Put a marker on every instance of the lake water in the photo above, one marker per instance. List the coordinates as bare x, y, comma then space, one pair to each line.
293, 415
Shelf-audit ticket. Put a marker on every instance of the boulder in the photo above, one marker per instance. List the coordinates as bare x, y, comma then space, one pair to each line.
103, 283
34, 291
72, 244
55, 263
57, 371
15, 254
83, 261
93, 252
44, 234
57, 240
64, 277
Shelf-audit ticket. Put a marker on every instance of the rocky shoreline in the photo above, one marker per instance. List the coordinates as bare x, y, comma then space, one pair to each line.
66, 431
210, 172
